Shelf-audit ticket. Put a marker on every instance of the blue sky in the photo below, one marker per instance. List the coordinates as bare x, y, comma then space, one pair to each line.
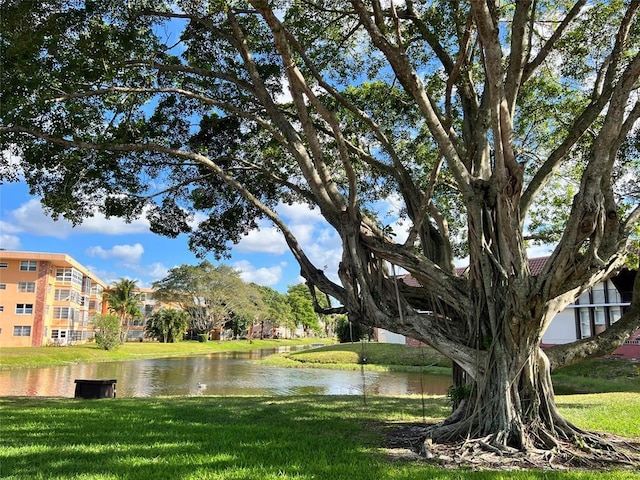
113, 249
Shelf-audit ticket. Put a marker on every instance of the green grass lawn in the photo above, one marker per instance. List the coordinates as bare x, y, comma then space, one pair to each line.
300, 437
598, 375
28, 357
261, 438
374, 356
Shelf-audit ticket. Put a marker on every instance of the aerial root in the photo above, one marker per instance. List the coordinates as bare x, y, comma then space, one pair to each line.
559, 450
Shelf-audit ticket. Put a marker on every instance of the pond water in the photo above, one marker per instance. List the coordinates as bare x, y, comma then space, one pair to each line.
216, 374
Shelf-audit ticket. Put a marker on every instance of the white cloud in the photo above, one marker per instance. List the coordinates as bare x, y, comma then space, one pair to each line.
156, 270
299, 212
9, 242
7, 228
266, 239
31, 218
128, 254
113, 226
262, 275
301, 220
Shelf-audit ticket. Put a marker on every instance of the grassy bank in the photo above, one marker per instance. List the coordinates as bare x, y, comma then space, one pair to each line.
303, 437
590, 376
375, 356
51, 356
598, 375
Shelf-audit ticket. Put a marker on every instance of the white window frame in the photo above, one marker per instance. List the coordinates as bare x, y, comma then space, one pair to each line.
27, 287
24, 308
28, 266
22, 330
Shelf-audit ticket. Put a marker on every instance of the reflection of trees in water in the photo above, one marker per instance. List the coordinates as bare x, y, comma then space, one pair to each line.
224, 374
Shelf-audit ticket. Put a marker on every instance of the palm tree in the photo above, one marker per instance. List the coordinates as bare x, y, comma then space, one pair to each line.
123, 301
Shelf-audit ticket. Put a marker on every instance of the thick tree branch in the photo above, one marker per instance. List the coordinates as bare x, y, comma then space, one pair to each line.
329, 204
519, 52
414, 87
549, 45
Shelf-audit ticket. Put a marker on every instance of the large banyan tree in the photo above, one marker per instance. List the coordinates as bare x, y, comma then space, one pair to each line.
494, 124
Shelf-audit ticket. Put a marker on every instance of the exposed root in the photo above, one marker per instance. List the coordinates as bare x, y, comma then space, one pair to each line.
593, 452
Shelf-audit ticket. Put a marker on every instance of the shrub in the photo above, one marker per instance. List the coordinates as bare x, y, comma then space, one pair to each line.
167, 325
107, 331
203, 337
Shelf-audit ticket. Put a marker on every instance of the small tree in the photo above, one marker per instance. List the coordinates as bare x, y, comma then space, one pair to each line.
167, 325
122, 300
107, 331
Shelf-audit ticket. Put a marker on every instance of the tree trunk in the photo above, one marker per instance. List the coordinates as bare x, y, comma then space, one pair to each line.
511, 406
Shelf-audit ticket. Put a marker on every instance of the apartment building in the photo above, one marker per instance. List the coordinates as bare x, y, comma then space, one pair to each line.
148, 304
46, 299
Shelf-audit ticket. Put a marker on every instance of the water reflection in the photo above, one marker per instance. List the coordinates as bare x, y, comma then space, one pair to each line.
216, 374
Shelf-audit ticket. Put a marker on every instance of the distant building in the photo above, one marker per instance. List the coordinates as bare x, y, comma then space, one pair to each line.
46, 299
593, 312
148, 303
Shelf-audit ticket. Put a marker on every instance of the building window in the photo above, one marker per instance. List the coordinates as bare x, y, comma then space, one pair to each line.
4, 265
75, 335
24, 308
28, 266
1, 308
67, 295
585, 298
614, 314
600, 323
64, 312
69, 275
28, 287
22, 331
585, 323
3, 286
598, 294
58, 334
62, 295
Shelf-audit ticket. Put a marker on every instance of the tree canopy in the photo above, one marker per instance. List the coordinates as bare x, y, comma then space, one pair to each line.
491, 124
212, 295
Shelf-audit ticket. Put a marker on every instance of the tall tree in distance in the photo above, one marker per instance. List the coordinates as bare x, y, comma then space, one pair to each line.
473, 117
212, 295
122, 300
278, 311
301, 303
